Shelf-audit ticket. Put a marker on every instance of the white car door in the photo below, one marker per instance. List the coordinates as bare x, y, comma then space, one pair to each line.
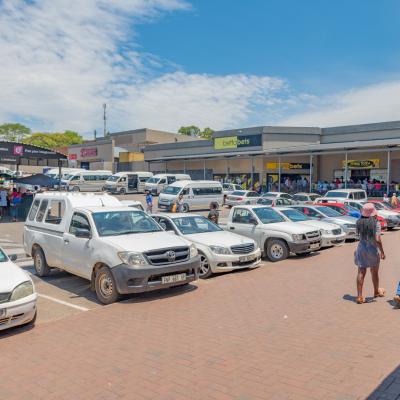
243, 223
76, 250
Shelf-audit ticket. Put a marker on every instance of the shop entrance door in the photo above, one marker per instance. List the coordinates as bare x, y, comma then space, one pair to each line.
360, 174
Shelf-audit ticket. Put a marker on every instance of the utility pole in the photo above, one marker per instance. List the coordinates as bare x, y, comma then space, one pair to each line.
95, 134
105, 119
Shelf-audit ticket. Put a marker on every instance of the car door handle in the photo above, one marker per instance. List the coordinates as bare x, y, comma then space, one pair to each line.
66, 241
232, 228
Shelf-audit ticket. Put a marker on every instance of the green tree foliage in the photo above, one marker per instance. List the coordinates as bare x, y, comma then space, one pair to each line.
14, 132
194, 130
54, 140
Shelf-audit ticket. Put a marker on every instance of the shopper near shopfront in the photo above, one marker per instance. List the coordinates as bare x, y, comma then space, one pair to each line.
394, 201
386, 198
369, 251
15, 203
213, 215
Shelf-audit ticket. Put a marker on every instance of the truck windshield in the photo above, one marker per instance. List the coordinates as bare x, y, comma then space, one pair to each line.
294, 215
336, 194
113, 178
171, 190
197, 224
3, 257
153, 180
114, 223
267, 215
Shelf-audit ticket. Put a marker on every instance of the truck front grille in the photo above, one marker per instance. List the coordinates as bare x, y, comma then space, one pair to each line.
313, 235
168, 256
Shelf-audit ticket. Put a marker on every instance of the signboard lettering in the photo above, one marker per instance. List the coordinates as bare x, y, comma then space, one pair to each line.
361, 164
73, 156
90, 152
288, 165
234, 142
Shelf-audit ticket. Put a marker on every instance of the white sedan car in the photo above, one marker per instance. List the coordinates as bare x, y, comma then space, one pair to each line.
219, 250
240, 197
17, 295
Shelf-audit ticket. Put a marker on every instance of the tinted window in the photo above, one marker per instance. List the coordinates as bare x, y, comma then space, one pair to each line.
265, 201
3, 257
242, 216
336, 194
78, 221
41, 211
171, 179
338, 209
55, 212
268, 215
238, 193
191, 225
329, 212
359, 195
309, 212
171, 190
253, 194
300, 198
295, 215
206, 191
34, 209
271, 194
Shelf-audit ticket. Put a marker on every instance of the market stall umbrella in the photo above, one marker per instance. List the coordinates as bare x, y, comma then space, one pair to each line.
37, 180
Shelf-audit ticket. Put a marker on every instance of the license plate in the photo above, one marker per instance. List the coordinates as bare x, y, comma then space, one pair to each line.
314, 246
246, 258
173, 278
2, 312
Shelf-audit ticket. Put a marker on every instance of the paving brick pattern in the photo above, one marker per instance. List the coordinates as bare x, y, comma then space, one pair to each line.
289, 330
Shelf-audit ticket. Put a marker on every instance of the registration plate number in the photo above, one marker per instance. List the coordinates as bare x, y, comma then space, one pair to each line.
246, 258
314, 246
2, 312
173, 278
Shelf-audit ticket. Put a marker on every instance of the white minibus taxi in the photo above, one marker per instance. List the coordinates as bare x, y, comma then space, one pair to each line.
196, 194
87, 181
65, 172
157, 183
127, 182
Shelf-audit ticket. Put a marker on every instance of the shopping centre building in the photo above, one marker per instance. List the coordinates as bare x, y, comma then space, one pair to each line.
270, 154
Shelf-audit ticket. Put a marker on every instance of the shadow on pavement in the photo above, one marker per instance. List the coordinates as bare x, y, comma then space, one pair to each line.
353, 299
389, 388
16, 330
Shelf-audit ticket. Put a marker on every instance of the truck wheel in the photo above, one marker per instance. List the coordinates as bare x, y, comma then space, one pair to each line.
40, 263
122, 191
106, 289
75, 189
205, 267
276, 250
185, 208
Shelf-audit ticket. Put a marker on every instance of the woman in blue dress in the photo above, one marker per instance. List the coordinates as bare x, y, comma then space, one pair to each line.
369, 250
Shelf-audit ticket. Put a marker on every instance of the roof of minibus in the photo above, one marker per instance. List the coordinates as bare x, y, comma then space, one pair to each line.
194, 183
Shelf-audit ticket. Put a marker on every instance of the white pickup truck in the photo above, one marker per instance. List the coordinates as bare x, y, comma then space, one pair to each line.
276, 237
119, 249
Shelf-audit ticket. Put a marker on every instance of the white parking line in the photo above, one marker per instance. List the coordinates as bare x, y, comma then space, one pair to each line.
65, 303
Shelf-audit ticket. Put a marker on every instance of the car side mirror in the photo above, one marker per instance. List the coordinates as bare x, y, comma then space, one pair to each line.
83, 233
13, 257
253, 221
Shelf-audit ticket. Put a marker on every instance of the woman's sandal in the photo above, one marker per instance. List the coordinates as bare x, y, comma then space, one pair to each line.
381, 293
360, 300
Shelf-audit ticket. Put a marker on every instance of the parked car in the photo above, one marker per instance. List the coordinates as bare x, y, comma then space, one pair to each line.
391, 216
239, 197
127, 182
305, 198
17, 294
229, 188
278, 195
348, 224
273, 201
276, 237
341, 194
157, 183
119, 249
219, 250
344, 209
196, 195
331, 234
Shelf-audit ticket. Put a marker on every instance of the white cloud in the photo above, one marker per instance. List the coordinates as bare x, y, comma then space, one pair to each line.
62, 59
374, 103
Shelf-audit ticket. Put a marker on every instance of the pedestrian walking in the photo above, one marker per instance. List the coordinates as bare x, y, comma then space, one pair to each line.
213, 215
369, 251
179, 204
394, 201
15, 202
3, 202
386, 198
149, 202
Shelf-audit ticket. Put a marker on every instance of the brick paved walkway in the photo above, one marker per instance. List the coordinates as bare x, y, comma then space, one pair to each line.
284, 331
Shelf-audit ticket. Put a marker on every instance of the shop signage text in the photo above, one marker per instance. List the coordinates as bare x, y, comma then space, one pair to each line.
287, 165
91, 152
361, 164
234, 142
73, 156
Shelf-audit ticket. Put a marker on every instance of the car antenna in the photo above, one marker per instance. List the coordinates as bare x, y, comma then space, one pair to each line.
102, 204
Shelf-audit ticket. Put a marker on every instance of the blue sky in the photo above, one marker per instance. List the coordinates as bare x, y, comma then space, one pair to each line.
315, 44
224, 64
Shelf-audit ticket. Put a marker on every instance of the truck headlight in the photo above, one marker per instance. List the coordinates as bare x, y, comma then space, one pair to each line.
132, 258
23, 290
326, 232
220, 250
193, 251
297, 238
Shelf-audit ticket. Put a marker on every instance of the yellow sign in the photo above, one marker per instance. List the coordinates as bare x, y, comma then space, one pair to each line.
222, 143
287, 166
361, 164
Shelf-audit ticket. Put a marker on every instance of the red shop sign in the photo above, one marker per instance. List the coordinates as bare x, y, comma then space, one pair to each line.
73, 156
89, 152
